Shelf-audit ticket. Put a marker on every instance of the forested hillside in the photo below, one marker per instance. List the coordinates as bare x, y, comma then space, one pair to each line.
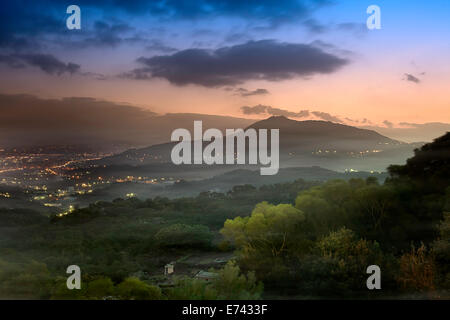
299, 239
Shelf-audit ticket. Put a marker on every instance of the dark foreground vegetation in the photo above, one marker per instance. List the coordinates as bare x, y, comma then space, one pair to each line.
291, 240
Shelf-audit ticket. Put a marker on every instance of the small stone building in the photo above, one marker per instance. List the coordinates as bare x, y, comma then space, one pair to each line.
169, 268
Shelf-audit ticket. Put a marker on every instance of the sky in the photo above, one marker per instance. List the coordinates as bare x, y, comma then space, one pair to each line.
306, 59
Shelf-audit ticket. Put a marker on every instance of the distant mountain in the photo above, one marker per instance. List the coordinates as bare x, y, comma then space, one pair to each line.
302, 143
315, 135
27, 120
413, 132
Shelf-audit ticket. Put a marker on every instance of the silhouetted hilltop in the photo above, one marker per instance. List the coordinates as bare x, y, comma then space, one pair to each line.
430, 163
324, 134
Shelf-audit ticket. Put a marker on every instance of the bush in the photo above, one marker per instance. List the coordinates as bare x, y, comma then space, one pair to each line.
100, 288
230, 284
61, 292
417, 270
350, 257
134, 289
192, 289
441, 251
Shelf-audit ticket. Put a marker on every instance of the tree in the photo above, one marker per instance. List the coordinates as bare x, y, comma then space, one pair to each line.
182, 235
100, 288
267, 238
429, 168
326, 206
231, 284
135, 289
351, 257
270, 229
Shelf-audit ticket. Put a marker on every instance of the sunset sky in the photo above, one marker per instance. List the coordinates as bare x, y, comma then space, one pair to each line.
216, 57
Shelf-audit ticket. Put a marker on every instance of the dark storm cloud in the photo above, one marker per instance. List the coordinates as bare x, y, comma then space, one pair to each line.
254, 60
33, 25
247, 93
411, 78
94, 75
46, 62
27, 25
278, 10
118, 27
11, 61
104, 34
17, 43
49, 63
107, 34
21, 21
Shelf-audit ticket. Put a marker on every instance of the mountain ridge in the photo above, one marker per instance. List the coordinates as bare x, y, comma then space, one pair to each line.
301, 142
316, 127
